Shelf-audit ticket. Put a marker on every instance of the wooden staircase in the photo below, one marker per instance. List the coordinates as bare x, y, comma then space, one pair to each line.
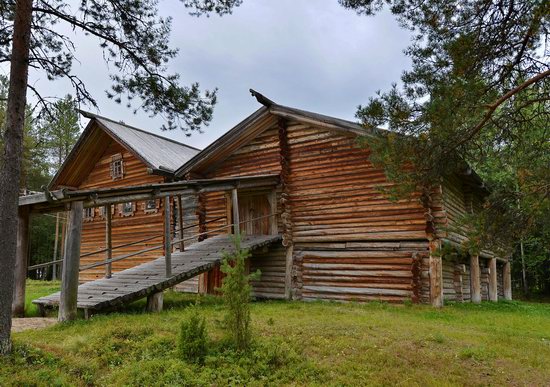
149, 278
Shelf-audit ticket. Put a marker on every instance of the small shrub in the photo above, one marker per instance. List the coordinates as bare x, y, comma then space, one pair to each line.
236, 290
192, 344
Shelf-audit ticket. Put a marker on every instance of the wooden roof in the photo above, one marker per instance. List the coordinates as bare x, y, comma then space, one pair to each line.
156, 152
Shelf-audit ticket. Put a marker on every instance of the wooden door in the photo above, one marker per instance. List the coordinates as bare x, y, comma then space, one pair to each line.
253, 206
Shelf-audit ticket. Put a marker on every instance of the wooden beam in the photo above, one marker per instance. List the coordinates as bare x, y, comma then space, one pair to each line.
235, 209
155, 302
21, 263
108, 240
167, 238
71, 264
288, 271
507, 280
56, 244
475, 279
180, 222
436, 274
273, 208
493, 289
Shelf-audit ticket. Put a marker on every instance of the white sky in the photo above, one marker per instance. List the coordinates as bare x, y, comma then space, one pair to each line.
309, 54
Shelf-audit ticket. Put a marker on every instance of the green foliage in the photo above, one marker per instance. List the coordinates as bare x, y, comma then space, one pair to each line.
60, 131
476, 95
236, 290
193, 338
312, 343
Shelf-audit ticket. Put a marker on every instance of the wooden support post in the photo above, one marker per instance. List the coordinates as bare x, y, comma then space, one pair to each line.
475, 279
273, 208
56, 243
180, 222
21, 263
108, 240
436, 274
167, 237
154, 302
71, 264
288, 271
507, 280
235, 208
493, 290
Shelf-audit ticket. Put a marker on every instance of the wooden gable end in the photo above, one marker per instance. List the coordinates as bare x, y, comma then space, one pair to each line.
82, 158
134, 170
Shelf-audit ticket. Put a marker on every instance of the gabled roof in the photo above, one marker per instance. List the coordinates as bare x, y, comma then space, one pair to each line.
259, 120
156, 152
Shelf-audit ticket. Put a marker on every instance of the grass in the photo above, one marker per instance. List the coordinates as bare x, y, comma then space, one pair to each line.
297, 343
36, 289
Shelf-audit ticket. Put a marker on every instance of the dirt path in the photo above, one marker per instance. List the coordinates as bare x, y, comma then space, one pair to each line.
23, 324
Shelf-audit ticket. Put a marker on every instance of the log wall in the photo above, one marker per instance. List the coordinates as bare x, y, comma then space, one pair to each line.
271, 265
350, 241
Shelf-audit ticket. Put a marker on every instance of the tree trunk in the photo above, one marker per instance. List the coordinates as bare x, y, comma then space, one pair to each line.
10, 170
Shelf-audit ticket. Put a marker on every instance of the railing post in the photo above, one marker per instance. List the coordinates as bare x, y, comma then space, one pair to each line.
235, 208
180, 222
54, 266
108, 240
167, 237
69, 278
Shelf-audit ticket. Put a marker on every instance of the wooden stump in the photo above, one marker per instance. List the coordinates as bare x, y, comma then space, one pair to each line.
154, 302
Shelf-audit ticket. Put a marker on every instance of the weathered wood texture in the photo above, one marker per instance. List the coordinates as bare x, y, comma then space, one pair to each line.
21, 263
475, 279
271, 265
149, 278
140, 224
335, 201
349, 240
71, 262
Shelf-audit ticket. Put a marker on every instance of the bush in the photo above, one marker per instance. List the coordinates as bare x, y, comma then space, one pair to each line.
236, 295
193, 338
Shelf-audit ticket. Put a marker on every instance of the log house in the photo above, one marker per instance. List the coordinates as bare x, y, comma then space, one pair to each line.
342, 237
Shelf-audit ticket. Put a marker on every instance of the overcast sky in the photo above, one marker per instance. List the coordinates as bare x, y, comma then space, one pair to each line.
308, 54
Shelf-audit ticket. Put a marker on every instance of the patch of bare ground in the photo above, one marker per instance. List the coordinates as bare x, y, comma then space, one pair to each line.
23, 324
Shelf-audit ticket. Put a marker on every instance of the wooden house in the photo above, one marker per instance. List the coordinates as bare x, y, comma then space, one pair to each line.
111, 154
342, 238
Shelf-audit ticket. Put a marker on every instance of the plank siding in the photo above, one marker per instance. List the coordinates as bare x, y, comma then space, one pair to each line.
125, 229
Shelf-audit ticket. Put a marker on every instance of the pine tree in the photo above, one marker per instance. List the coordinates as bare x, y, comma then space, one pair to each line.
135, 43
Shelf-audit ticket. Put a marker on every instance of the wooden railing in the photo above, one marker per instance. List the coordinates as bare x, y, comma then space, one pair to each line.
41, 265
167, 245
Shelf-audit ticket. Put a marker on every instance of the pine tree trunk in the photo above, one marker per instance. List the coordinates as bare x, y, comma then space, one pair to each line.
10, 169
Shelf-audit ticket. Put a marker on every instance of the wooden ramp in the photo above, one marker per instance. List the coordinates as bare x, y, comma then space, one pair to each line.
140, 281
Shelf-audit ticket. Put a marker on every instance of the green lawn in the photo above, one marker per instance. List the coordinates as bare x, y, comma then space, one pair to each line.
296, 343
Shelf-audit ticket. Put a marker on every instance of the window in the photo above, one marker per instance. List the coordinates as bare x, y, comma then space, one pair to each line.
127, 209
88, 213
150, 206
117, 167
